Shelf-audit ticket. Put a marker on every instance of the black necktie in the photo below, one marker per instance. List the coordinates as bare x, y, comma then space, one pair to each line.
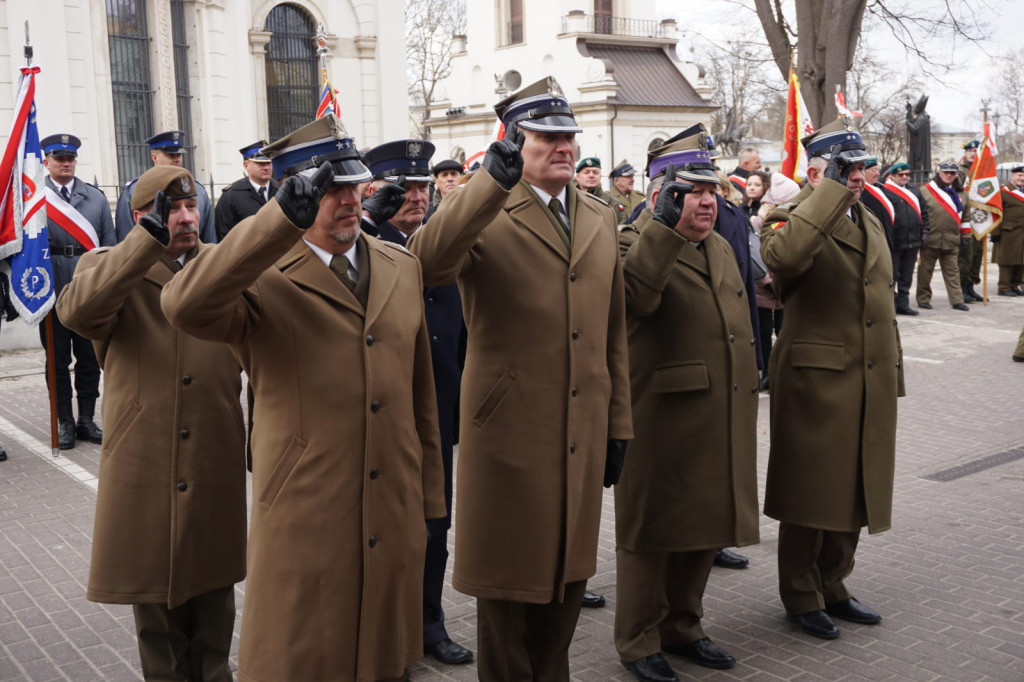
65, 193
263, 194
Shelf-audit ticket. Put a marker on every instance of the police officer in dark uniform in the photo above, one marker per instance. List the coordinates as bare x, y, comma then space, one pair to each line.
81, 201
165, 149
245, 196
409, 160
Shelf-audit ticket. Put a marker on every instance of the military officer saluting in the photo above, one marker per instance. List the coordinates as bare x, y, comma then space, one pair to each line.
624, 199
837, 365
244, 197
78, 220
165, 149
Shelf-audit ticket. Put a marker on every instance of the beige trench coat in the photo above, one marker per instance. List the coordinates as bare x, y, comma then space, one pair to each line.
837, 366
546, 383
690, 477
170, 511
346, 453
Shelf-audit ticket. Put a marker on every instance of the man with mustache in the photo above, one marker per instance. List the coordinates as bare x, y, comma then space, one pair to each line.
329, 326
689, 484
837, 365
170, 513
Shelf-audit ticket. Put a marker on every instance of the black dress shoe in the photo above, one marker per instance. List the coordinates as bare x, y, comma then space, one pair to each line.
702, 652
960, 306
65, 435
727, 558
1009, 292
853, 611
906, 310
592, 601
449, 652
1016, 358
926, 306
653, 668
87, 430
3, 455
817, 624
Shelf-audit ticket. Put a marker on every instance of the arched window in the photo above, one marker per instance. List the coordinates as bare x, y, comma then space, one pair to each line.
292, 73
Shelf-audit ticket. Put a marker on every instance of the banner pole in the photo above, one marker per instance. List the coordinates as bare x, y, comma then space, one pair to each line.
51, 381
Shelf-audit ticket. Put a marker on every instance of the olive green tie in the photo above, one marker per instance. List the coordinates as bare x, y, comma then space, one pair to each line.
340, 265
556, 207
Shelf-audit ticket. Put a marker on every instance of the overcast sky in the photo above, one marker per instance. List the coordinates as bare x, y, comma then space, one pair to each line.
955, 98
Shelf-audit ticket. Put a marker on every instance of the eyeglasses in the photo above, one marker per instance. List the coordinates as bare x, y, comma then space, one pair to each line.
904, 174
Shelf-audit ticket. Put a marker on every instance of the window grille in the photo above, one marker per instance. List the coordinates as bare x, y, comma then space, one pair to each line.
128, 41
181, 86
293, 75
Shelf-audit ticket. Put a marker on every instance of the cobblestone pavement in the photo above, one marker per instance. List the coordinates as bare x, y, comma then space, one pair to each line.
948, 578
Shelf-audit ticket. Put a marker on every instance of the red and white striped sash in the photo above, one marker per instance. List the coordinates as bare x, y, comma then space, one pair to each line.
944, 200
70, 220
906, 195
882, 199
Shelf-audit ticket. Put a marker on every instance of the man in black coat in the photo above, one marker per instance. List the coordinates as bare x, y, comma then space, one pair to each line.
875, 199
408, 160
910, 222
78, 220
245, 196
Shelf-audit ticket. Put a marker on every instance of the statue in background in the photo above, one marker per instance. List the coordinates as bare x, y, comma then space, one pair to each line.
919, 130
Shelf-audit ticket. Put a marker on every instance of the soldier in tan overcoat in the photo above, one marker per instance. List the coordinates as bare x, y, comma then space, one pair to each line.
836, 372
170, 511
545, 386
329, 325
948, 233
689, 484
1008, 237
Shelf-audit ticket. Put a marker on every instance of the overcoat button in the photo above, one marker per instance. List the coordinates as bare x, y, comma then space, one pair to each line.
572, 276
739, 292
870, 322
430, 299
373, 541
369, 339
375, 406
735, 387
572, 447
871, 364
182, 486
753, 341
374, 473
732, 337
867, 281
898, 364
576, 333
186, 380
184, 433
433, 339
575, 391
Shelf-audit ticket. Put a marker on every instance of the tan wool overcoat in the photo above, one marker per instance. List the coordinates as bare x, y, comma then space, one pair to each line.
1009, 250
170, 510
346, 453
546, 382
837, 366
690, 477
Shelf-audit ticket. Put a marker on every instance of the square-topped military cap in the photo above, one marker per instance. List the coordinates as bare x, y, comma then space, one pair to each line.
688, 152
63, 144
168, 142
821, 141
623, 170
254, 152
541, 107
408, 158
325, 140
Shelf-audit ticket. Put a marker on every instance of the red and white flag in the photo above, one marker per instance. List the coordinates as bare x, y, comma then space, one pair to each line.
798, 125
983, 196
841, 104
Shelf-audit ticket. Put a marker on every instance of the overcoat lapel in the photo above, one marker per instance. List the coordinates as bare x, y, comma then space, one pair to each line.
875, 237
691, 257
583, 231
383, 277
306, 270
850, 234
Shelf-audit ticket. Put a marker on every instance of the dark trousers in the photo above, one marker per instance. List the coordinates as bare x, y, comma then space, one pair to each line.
1010, 277
903, 262
659, 600
527, 642
768, 320
87, 367
969, 262
812, 566
435, 563
189, 643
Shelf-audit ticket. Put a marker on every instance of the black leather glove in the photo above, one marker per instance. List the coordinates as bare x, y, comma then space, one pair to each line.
155, 221
386, 201
503, 160
924, 240
669, 208
838, 168
965, 244
613, 462
994, 238
299, 196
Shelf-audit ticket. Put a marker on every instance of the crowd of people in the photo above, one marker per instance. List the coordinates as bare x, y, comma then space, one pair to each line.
568, 338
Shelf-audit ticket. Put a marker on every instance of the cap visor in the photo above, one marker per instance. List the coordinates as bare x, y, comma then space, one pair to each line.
698, 175
346, 172
551, 124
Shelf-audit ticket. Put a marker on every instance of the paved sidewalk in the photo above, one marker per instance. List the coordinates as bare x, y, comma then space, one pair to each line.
949, 577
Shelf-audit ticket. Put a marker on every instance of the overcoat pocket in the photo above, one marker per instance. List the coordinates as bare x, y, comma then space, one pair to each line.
818, 355
125, 420
494, 397
690, 376
281, 471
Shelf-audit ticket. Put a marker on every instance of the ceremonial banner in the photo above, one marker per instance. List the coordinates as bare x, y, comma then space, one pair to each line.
23, 213
983, 196
798, 125
328, 100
